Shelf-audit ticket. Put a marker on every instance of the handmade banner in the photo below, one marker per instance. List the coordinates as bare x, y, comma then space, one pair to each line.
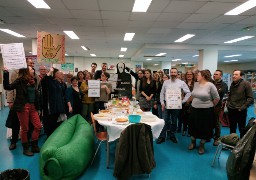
50, 48
13, 56
173, 99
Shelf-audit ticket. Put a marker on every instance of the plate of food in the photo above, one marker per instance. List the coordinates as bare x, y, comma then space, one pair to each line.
105, 111
148, 118
102, 116
120, 120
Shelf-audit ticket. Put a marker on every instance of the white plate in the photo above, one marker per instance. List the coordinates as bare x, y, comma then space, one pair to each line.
119, 123
148, 118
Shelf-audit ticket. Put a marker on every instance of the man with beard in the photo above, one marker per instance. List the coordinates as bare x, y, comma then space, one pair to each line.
171, 115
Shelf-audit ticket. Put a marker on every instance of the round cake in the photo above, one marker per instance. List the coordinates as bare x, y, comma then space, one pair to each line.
121, 119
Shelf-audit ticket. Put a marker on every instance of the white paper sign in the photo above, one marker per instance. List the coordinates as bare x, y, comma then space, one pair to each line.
13, 56
173, 99
93, 92
93, 84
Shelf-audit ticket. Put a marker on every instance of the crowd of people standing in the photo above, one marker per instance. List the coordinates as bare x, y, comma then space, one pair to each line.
50, 98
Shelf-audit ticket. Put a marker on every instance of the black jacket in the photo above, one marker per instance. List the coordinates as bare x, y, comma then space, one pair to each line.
21, 92
134, 152
240, 160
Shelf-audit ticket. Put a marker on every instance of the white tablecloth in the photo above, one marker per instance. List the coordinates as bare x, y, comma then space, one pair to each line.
114, 130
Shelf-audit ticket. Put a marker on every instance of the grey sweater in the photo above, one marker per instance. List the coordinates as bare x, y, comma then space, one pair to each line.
203, 96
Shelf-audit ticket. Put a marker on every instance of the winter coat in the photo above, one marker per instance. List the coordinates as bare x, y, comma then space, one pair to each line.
134, 152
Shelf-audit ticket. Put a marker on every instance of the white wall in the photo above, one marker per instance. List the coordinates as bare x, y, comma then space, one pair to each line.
228, 68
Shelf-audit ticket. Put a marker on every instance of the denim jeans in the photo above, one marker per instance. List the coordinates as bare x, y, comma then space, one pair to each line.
170, 117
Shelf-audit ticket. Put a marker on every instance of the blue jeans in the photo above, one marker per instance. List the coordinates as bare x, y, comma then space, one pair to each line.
170, 118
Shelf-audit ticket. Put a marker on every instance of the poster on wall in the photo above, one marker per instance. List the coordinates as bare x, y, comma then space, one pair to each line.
13, 56
67, 68
50, 48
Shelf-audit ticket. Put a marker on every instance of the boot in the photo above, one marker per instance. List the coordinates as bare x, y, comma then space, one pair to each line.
201, 148
12, 146
26, 150
192, 145
34, 147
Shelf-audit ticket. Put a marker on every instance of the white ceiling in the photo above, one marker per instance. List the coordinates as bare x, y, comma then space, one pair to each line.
101, 25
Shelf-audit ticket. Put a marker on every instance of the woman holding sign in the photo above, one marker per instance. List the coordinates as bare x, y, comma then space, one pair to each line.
26, 105
201, 123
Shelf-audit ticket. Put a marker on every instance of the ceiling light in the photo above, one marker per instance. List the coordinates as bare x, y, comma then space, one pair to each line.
235, 55
85, 48
128, 36
71, 34
39, 4
93, 55
176, 60
121, 55
195, 56
184, 38
160, 54
242, 8
239, 39
234, 60
226, 61
148, 59
66, 54
141, 5
155, 64
123, 49
12, 32
184, 63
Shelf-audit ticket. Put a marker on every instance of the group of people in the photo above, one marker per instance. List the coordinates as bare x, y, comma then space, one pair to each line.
202, 103
50, 98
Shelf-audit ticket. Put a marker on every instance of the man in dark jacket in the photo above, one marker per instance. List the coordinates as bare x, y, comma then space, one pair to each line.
240, 97
222, 89
98, 73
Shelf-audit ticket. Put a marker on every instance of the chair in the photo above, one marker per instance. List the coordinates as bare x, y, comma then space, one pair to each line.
219, 149
101, 136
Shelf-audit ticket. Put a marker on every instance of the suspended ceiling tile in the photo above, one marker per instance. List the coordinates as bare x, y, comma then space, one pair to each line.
115, 15
201, 18
228, 19
217, 7
173, 17
184, 6
81, 4
82, 14
116, 5
144, 16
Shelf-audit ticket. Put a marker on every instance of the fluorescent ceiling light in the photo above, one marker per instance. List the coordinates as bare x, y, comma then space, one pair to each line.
71, 34
184, 63
66, 54
39, 4
176, 60
141, 5
184, 38
234, 60
226, 61
242, 8
12, 32
85, 48
93, 55
235, 55
239, 39
123, 49
195, 56
128, 36
148, 59
155, 64
121, 55
160, 54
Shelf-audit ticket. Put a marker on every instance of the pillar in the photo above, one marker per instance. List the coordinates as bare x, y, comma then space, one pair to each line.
208, 59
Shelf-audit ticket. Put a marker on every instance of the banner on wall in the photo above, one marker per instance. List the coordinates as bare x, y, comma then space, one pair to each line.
50, 48
13, 56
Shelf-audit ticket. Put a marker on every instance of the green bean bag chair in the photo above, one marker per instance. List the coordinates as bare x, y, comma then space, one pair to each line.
68, 151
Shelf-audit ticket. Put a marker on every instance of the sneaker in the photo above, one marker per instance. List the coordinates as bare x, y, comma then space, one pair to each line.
173, 139
12, 146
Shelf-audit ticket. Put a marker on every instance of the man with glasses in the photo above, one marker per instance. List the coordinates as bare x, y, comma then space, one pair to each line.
98, 73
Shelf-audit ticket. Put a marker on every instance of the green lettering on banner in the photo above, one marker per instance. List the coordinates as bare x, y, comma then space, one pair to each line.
50, 60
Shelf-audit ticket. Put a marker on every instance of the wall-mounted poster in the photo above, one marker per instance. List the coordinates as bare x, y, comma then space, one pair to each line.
50, 48
166, 71
137, 67
67, 68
